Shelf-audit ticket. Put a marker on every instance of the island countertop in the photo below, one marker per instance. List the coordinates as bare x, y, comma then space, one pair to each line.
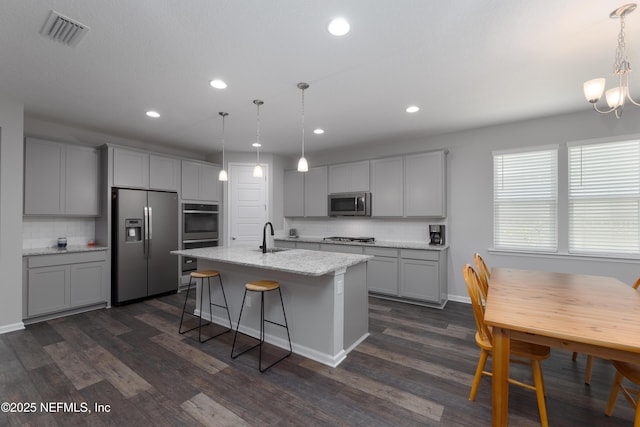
298, 261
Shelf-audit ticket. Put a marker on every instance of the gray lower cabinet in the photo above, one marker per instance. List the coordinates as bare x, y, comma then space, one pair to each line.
382, 270
345, 249
60, 282
423, 275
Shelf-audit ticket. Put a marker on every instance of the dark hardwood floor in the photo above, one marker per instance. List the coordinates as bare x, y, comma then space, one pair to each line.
415, 369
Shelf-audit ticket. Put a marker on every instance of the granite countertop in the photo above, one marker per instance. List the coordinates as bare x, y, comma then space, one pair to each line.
54, 250
298, 261
376, 244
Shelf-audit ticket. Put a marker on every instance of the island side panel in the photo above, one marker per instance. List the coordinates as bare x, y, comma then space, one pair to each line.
310, 303
356, 306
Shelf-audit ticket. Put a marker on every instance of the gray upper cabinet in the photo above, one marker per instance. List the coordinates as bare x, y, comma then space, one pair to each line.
60, 179
293, 193
424, 185
387, 187
164, 173
316, 192
139, 169
82, 181
130, 168
349, 177
200, 181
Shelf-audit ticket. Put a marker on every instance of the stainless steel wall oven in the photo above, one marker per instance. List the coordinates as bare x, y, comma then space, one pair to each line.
200, 224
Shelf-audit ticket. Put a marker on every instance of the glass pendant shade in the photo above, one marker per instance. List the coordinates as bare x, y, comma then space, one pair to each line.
593, 89
615, 97
257, 171
222, 176
303, 166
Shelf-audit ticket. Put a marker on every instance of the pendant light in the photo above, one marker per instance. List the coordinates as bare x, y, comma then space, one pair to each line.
223, 173
303, 166
257, 171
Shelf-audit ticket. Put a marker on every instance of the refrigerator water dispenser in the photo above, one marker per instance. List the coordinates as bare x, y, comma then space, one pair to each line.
133, 230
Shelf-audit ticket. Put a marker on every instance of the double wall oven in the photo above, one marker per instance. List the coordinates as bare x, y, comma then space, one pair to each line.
200, 224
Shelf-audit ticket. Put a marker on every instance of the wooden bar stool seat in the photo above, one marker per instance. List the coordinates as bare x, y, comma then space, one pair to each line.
204, 274
262, 286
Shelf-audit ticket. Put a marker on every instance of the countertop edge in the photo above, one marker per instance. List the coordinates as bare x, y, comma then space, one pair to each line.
376, 244
56, 251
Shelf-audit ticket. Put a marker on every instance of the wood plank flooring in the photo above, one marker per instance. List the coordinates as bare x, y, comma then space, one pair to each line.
415, 369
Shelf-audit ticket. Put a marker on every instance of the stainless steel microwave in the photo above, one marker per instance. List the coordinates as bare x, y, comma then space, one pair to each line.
350, 204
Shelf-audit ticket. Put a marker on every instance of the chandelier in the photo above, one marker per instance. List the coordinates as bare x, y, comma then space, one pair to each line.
617, 96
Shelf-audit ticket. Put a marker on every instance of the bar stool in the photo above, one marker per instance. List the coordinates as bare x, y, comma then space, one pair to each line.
204, 274
262, 286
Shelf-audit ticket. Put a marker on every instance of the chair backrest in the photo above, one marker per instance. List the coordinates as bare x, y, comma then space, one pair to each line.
635, 285
475, 293
483, 273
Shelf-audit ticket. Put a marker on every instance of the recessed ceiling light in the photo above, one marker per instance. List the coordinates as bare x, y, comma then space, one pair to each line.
339, 27
256, 144
318, 131
153, 114
218, 84
412, 109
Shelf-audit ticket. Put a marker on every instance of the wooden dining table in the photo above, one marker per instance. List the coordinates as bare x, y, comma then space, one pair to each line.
589, 314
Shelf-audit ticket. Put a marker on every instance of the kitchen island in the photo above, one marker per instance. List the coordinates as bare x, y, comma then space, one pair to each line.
325, 296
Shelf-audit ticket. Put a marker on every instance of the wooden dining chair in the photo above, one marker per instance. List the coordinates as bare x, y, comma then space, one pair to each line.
521, 352
483, 273
631, 372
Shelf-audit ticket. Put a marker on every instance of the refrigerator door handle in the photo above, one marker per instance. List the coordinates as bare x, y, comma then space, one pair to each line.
150, 224
146, 232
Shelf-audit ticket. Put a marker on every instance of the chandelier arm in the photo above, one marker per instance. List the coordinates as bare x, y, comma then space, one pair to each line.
632, 101
595, 107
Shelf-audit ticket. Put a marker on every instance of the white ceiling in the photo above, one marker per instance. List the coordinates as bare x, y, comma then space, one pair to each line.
466, 63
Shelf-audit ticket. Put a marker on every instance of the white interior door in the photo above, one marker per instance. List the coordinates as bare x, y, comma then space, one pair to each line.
247, 205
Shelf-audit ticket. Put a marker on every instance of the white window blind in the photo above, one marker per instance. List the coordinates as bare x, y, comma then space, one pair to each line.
604, 198
525, 200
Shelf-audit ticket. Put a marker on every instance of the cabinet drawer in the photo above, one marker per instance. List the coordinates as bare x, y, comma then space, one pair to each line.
388, 252
418, 254
68, 258
347, 249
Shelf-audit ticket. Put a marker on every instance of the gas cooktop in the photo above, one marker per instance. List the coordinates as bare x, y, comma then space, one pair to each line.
350, 239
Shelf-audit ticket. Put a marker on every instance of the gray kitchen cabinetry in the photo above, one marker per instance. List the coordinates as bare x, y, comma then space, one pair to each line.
423, 276
293, 193
349, 177
139, 169
60, 179
382, 270
424, 185
164, 173
200, 181
308, 245
316, 192
285, 244
345, 249
64, 282
387, 183
130, 168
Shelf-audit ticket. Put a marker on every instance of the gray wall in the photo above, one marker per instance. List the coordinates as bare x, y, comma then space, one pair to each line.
11, 179
470, 194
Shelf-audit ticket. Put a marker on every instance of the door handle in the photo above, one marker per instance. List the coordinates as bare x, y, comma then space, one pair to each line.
150, 224
146, 232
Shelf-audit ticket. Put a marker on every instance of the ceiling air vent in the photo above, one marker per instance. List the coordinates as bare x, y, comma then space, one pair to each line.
64, 30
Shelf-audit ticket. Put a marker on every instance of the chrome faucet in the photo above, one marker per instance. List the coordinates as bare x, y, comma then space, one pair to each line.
264, 236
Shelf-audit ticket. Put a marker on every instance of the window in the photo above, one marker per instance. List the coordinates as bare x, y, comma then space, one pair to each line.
525, 200
604, 198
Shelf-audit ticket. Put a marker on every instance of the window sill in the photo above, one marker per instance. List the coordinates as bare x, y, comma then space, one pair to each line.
565, 255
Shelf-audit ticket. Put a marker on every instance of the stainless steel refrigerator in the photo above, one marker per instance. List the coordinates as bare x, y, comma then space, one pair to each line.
144, 231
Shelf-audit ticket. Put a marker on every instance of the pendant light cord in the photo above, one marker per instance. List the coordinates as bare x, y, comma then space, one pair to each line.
302, 122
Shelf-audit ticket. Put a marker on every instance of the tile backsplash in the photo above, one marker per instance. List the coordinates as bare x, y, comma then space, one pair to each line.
44, 232
405, 230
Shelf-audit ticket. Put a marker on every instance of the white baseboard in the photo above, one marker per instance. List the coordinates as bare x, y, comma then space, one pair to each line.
12, 327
